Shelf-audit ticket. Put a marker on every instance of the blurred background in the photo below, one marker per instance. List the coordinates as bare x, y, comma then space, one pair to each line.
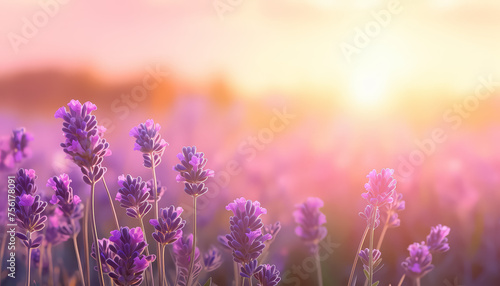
287, 99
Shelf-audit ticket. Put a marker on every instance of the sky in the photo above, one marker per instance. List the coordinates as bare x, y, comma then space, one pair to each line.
262, 46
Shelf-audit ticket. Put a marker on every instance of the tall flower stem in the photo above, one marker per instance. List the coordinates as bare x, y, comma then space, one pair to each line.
86, 240
112, 205
157, 216
318, 269
402, 279
94, 230
40, 264
356, 255
236, 274
80, 268
384, 230
417, 281
51, 264
191, 261
28, 275
372, 234
161, 263
77, 252
147, 253
250, 280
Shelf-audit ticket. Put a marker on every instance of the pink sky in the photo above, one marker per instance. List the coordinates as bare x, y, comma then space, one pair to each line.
264, 44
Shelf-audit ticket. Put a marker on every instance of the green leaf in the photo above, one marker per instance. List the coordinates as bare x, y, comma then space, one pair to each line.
376, 283
209, 282
367, 274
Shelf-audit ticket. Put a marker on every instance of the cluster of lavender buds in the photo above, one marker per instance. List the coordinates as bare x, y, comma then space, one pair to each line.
69, 204
84, 143
212, 259
14, 149
182, 254
368, 214
246, 240
268, 276
191, 171
391, 215
148, 141
168, 227
134, 195
122, 258
380, 187
418, 264
160, 191
310, 222
28, 208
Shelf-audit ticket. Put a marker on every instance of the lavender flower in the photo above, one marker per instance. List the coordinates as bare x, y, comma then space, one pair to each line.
191, 171
212, 259
19, 144
83, 144
365, 258
58, 230
268, 276
25, 182
105, 253
148, 141
419, 262
133, 195
168, 227
29, 218
69, 204
160, 191
123, 254
392, 209
380, 187
367, 215
253, 267
310, 220
182, 254
246, 238
437, 240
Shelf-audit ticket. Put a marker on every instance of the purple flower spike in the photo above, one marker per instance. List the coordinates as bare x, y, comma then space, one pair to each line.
367, 215
392, 209
380, 187
29, 211
246, 239
191, 171
310, 220
25, 182
248, 270
437, 240
148, 141
70, 205
182, 255
365, 258
419, 262
133, 196
168, 227
84, 143
212, 259
268, 276
122, 258
19, 144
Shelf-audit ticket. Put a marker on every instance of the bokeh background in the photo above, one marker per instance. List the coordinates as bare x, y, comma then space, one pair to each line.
304, 97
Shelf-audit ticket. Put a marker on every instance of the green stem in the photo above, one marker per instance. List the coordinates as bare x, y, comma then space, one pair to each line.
51, 264
111, 203
318, 270
86, 240
372, 234
356, 255
147, 252
40, 264
402, 279
384, 230
29, 265
236, 274
250, 280
193, 251
77, 252
94, 230
155, 195
162, 272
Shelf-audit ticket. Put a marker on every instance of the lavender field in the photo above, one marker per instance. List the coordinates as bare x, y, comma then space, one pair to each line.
250, 143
